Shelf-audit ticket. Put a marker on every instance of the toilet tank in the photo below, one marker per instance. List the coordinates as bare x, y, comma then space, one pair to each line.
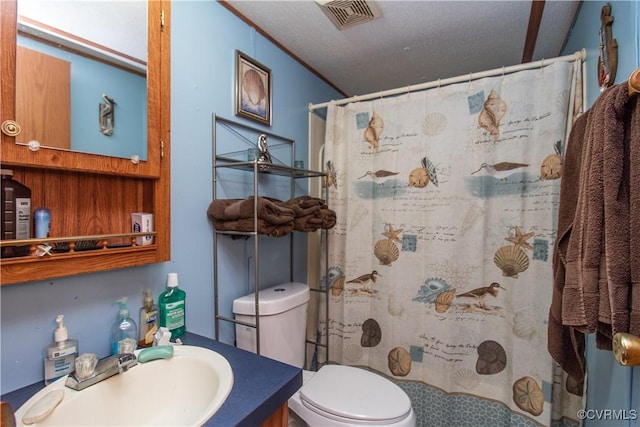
283, 322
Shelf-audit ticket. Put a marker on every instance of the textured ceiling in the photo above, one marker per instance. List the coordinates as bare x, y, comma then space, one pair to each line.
413, 42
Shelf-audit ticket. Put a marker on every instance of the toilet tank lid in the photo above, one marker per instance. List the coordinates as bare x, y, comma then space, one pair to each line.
273, 300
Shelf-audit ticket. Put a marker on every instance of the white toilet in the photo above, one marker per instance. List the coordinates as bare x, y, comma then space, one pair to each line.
336, 395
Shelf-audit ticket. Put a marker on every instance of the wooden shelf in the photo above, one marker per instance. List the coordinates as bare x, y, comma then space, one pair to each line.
23, 269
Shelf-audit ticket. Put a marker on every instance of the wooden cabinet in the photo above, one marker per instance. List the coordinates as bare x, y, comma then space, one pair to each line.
280, 418
92, 196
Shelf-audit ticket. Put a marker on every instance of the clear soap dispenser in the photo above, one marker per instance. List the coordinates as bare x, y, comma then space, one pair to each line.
124, 333
60, 356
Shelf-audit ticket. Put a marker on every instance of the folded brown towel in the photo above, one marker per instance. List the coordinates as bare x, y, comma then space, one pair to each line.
304, 205
247, 225
217, 207
233, 209
275, 217
300, 211
308, 223
306, 201
328, 217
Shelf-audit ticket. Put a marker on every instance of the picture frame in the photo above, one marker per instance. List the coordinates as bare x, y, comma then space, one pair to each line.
253, 89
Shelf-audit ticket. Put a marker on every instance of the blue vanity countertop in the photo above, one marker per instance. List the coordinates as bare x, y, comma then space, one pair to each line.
260, 385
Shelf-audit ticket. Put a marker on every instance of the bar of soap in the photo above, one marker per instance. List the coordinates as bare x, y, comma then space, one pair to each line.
153, 353
43, 407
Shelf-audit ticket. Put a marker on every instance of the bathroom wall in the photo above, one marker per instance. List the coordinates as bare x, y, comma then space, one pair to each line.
204, 39
609, 385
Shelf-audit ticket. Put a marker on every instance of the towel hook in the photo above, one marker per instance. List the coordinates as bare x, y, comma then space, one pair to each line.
608, 57
107, 115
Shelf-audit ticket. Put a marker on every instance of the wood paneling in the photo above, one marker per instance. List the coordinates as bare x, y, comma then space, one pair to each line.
280, 418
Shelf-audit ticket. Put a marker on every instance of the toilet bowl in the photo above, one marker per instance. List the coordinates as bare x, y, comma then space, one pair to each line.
336, 395
340, 395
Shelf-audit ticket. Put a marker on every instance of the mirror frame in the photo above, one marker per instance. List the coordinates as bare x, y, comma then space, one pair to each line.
158, 87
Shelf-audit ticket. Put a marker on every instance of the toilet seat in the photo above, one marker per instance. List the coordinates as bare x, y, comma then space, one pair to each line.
348, 394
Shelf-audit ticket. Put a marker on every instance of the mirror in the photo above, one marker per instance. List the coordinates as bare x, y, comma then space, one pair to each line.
93, 97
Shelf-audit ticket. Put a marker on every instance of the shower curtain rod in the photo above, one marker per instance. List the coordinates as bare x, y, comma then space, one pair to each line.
580, 55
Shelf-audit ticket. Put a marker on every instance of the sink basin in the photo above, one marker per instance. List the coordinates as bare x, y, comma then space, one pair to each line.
186, 389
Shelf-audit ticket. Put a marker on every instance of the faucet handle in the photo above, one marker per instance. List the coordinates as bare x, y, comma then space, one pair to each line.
86, 365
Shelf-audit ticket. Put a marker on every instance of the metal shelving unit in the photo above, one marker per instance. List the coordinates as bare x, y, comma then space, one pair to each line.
237, 160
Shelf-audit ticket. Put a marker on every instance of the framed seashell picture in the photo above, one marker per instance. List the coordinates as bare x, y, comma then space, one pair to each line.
253, 89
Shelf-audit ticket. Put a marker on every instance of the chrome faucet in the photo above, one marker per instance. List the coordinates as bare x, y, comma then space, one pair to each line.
105, 368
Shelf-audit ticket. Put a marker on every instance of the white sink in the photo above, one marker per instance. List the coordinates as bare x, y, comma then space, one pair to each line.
186, 389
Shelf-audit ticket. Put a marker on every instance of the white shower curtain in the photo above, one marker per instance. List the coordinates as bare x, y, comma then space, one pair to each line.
440, 264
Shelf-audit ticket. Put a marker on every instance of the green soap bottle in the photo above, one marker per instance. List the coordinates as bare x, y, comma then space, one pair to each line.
172, 307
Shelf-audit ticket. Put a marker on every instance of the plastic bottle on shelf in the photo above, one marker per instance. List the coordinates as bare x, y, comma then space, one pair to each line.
41, 222
16, 214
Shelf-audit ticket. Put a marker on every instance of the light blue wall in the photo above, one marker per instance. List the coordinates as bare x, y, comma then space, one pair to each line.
625, 31
610, 386
204, 39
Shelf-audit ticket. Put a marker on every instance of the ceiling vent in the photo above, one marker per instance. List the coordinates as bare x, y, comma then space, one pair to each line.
346, 13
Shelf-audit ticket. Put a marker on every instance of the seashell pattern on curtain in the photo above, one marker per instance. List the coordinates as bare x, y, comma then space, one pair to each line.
456, 293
